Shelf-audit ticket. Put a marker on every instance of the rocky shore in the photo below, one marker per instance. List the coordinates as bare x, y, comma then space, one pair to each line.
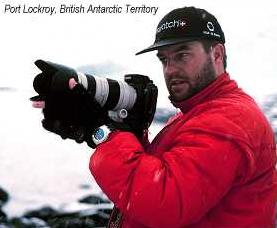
48, 217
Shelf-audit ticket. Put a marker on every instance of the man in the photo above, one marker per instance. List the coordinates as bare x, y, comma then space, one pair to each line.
213, 164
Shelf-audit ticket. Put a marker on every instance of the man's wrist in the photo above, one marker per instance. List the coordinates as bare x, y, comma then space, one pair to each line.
101, 134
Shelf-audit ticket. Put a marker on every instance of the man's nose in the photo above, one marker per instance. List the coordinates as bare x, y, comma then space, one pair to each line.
170, 68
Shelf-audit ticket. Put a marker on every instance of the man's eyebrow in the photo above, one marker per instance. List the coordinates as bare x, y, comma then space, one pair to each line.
183, 47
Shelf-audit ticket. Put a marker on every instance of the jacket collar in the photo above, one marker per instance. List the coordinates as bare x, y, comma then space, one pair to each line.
222, 85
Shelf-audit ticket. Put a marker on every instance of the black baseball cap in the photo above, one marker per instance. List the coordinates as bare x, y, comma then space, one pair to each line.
186, 24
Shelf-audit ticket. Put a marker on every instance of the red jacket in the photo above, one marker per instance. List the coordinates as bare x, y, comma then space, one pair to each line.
213, 165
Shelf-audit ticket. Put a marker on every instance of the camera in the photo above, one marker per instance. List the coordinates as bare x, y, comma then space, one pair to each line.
137, 93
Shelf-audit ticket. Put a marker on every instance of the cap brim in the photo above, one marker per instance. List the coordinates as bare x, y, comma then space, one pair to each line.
165, 43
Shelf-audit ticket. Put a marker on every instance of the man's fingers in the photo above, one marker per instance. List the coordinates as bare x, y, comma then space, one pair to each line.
38, 104
72, 83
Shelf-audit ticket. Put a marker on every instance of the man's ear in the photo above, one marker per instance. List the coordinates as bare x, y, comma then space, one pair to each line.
218, 51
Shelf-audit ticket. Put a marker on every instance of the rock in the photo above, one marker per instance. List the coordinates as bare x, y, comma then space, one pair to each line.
93, 199
102, 217
85, 186
3, 217
4, 197
47, 217
105, 213
72, 221
44, 213
56, 219
24, 222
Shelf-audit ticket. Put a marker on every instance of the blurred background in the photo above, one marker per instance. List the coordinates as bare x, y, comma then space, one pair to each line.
37, 168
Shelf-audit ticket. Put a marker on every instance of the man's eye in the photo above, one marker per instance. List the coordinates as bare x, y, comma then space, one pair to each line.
182, 56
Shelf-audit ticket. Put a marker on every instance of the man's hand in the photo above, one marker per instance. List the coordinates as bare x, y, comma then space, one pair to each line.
141, 115
72, 114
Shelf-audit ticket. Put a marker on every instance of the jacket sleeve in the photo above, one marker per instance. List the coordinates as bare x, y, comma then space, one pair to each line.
174, 190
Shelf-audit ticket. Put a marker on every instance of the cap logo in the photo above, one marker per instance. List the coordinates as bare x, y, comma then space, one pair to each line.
171, 25
210, 26
211, 31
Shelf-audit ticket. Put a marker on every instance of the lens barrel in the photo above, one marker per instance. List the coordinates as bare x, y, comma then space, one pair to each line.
111, 94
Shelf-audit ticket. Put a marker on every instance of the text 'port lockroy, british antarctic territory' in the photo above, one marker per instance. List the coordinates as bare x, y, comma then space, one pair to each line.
80, 9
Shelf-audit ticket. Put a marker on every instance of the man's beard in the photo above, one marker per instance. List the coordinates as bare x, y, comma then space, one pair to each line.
205, 76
